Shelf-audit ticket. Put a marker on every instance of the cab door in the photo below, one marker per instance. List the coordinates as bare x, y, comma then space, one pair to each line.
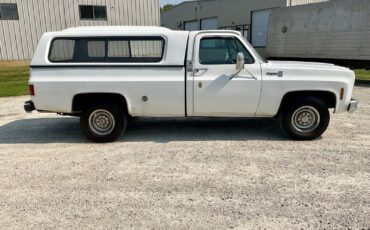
215, 91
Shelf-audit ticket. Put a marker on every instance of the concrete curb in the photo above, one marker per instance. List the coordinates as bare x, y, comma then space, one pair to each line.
362, 82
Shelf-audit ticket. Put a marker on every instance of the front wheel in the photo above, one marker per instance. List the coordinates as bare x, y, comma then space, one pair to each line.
103, 122
305, 119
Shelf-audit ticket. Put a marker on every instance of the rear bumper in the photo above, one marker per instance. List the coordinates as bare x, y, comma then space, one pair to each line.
353, 105
29, 106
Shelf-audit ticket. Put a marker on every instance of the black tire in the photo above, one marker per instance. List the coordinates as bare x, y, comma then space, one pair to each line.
304, 118
103, 121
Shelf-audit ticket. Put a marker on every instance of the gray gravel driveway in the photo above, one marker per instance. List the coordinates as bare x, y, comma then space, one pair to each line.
181, 174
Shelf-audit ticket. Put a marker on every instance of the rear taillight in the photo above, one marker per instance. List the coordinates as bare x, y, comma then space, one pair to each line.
31, 90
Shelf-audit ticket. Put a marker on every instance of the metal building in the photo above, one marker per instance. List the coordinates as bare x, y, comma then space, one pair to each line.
331, 32
22, 22
303, 2
251, 17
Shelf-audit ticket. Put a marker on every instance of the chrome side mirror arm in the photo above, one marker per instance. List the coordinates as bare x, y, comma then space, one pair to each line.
236, 73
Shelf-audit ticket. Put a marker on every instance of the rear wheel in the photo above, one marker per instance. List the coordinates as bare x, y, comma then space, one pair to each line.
305, 119
103, 121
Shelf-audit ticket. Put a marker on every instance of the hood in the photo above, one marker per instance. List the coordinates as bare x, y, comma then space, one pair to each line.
300, 64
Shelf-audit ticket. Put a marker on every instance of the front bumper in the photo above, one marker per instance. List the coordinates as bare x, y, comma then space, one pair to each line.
29, 106
353, 105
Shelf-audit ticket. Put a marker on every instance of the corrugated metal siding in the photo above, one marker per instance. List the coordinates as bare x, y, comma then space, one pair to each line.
334, 30
19, 38
229, 13
303, 2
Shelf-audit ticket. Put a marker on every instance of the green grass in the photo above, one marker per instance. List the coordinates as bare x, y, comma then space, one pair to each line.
362, 74
13, 78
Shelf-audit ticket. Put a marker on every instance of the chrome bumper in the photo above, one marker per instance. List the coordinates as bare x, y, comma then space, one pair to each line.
353, 105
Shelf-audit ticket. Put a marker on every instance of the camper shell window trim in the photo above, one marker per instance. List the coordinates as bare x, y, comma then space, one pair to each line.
107, 60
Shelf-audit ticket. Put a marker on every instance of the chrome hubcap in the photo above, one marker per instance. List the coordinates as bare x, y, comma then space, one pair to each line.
101, 122
306, 119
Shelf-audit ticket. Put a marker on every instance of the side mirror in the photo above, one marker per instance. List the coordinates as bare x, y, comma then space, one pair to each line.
239, 65
240, 62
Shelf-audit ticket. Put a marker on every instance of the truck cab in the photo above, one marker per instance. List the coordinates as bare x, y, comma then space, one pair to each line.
106, 75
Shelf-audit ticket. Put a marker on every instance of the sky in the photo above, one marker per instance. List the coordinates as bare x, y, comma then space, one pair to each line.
164, 2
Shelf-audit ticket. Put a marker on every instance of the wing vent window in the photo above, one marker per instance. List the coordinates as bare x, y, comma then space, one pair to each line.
113, 49
8, 11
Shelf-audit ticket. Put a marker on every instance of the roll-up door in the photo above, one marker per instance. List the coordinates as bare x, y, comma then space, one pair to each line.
191, 26
260, 24
209, 24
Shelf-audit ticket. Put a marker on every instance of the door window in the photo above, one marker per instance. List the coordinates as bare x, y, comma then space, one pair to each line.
222, 51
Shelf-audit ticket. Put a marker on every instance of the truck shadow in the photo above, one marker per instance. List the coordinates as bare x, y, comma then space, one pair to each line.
161, 130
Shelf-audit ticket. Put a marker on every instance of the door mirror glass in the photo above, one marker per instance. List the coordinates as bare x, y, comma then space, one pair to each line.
240, 61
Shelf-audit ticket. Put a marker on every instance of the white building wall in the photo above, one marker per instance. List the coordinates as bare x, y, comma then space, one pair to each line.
19, 38
303, 2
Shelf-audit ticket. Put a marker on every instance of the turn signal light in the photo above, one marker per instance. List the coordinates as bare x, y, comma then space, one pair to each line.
341, 93
31, 90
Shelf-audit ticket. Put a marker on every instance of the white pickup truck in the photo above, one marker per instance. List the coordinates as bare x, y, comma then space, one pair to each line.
107, 75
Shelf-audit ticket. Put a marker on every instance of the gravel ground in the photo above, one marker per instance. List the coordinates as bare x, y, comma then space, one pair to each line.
177, 173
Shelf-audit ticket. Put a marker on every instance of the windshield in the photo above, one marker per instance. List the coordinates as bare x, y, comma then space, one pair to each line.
254, 51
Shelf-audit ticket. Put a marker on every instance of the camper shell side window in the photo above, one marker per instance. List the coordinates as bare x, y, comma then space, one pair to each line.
107, 49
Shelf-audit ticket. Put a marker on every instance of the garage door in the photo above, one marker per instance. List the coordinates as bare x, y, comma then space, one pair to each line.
191, 26
260, 24
209, 24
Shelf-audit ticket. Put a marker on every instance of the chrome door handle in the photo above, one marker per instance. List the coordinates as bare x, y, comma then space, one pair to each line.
197, 72
199, 69
278, 74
